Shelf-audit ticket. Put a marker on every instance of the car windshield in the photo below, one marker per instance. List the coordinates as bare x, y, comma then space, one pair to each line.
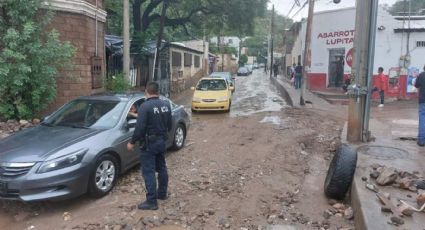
243, 69
97, 114
211, 84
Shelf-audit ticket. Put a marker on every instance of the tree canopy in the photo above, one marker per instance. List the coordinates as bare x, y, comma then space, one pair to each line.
402, 6
30, 56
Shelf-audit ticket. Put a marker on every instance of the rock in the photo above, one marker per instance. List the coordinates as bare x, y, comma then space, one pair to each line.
405, 183
348, 213
385, 209
117, 227
338, 215
387, 195
421, 199
374, 174
364, 178
376, 166
339, 206
327, 214
302, 145
66, 216
413, 189
271, 219
23, 122
387, 177
35, 121
397, 220
405, 209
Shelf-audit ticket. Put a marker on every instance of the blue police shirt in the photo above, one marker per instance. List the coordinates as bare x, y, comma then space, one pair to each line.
153, 118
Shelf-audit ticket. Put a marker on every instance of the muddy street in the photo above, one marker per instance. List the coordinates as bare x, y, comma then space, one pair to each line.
260, 165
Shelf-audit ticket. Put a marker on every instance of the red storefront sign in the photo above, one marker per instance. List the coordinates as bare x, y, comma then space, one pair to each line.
349, 58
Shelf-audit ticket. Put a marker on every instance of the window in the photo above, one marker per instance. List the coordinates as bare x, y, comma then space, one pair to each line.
187, 59
176, 59
420, 43
197, 61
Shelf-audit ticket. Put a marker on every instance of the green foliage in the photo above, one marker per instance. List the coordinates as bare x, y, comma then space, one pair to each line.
226, 50
117, 83
243, 59
30, 56
403, 6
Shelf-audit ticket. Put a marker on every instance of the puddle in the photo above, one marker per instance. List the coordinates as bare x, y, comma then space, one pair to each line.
272, 120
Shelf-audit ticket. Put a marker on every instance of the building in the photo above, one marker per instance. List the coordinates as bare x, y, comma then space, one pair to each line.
82, 23
234, 42
332, 43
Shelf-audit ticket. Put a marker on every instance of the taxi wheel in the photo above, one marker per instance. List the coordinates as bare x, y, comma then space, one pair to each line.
230, 105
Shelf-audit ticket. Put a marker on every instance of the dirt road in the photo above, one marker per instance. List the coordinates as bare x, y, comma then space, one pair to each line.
263, 164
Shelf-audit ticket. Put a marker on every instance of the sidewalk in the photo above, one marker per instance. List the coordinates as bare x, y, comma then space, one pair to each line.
395, 129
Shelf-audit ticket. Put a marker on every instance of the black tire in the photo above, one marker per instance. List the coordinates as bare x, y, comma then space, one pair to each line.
341, 172
228, 110
93, 189
177, 142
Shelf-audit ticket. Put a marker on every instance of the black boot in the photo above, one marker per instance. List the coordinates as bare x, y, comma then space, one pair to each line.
162, 197
147, 206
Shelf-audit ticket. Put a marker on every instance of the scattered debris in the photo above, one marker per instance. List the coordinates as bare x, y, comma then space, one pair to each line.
387, 176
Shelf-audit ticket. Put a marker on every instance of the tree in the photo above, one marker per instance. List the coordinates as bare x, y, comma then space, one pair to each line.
30, 56
402, 7
243, 59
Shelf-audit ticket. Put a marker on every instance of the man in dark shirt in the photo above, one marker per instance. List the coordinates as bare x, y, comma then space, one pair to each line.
420, 84
152, 127
298, 75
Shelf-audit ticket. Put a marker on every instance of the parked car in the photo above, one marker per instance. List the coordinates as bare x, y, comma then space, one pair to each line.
212, 94
249, 67
261, 65
226, 75
243, 71
255, 66
80, 148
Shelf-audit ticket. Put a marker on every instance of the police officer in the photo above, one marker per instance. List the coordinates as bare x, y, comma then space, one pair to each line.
153, 124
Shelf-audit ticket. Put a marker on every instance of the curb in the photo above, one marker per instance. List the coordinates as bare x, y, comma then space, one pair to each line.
282, 91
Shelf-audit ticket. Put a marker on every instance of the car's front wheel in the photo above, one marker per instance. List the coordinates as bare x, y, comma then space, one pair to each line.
179, 137
103, 176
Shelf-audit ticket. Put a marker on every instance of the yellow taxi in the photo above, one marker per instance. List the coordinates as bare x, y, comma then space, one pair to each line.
212, 94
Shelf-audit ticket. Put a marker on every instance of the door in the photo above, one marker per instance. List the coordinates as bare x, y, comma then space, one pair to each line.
336, 67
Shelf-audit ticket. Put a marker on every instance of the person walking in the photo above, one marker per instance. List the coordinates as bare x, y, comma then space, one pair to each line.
381, 85
275, 69
152, 127
420, 85
298, 75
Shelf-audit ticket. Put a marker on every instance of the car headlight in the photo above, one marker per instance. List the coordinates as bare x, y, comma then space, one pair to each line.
196, 99
222, 99
62, 162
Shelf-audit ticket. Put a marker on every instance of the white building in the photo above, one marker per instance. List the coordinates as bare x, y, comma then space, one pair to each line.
333, 38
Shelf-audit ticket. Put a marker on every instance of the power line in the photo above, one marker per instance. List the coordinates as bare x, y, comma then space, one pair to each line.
293, 6
304, 5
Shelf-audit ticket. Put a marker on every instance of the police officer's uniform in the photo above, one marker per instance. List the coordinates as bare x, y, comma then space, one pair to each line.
153, 124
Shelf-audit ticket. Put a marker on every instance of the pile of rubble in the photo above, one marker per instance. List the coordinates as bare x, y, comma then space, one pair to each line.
9, 127
390, 176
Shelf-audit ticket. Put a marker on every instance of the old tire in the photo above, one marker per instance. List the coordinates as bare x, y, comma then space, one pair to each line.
103, 176
179, 137
341, 172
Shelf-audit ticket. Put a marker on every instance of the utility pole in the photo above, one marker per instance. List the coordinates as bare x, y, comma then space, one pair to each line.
126, 41
307, 52
271, 43
362, 71
159, 41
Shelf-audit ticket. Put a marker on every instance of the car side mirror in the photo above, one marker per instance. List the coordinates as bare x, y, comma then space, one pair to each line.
131, 123
192, 88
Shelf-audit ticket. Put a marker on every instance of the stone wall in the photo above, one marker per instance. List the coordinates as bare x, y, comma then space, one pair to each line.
80, 30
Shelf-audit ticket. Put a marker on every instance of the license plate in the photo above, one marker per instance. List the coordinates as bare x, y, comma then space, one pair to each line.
3, 187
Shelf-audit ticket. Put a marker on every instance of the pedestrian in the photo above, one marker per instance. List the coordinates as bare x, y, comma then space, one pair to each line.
293, 74
381, 85
420, 85
152, 127
275, 69
298, 75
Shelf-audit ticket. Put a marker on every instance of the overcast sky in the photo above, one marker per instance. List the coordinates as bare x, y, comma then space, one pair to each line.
283, 6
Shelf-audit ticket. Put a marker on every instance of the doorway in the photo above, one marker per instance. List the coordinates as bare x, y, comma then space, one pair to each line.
336, 67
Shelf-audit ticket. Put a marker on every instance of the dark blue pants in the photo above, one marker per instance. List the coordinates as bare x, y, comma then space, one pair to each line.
381, 94
152, 159
298, 81
421, 133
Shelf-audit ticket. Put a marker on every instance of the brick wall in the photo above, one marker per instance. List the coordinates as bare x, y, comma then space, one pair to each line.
80, 30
